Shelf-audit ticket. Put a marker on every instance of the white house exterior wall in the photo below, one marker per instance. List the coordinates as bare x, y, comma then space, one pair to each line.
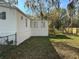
8, 26
39, 30
23, 31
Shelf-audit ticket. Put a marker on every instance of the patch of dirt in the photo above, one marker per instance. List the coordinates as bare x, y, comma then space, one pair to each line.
66, 51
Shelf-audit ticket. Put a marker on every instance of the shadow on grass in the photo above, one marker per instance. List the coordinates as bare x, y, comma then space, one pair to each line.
73, 35
34, 48
59, 37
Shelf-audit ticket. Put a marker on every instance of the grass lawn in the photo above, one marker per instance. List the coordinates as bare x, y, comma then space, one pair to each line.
67, 46
33, 48
69, 39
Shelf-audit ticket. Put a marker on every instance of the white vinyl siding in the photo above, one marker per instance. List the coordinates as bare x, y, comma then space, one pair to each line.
39, 28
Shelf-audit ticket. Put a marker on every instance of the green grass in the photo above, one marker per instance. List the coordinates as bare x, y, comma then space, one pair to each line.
71, 40
34, 48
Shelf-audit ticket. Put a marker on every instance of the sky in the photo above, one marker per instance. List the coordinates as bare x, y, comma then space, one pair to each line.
63, 4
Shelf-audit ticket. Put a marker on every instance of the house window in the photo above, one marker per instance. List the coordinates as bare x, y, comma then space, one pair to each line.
26, 22
21, 17
42, 24
3, 15
31, 24
35, 24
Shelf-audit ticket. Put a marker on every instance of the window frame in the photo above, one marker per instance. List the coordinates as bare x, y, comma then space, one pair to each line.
3, 15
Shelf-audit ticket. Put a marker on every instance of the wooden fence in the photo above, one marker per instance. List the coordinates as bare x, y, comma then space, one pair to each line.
72, 31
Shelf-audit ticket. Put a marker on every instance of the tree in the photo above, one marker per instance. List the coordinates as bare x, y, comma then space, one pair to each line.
58, 18
39, 7
72, 8
72, 12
